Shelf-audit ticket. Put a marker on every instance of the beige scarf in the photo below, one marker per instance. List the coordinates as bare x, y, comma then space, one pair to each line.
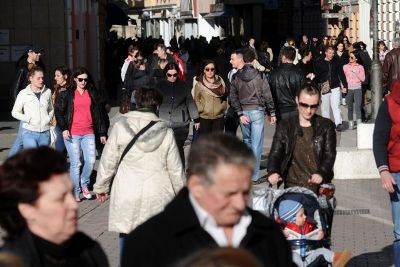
217, 87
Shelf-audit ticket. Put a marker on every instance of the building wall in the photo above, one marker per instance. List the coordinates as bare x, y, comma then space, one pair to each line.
388, 14
39, 22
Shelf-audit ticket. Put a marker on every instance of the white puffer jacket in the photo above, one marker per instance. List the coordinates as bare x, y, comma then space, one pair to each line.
149, 176
33, 112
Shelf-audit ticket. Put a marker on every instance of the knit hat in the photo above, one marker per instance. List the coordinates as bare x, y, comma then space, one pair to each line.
288, 209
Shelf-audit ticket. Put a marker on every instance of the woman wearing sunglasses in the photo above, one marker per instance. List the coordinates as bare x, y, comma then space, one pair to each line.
210, 98
79, 115
355, 75
177, 107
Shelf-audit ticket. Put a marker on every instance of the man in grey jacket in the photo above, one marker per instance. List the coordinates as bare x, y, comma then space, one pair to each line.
250, 98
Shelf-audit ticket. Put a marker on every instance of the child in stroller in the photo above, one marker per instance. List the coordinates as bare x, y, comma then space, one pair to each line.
306, 234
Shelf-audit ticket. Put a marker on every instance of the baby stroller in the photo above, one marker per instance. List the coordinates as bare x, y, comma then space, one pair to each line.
319, 209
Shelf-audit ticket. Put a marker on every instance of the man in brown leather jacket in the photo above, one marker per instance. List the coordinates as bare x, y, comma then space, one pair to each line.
303, 150
391, 65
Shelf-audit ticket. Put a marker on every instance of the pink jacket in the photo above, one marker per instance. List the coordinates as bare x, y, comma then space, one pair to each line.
355, 75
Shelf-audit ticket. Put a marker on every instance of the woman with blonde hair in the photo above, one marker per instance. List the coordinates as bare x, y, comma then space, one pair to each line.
34, 108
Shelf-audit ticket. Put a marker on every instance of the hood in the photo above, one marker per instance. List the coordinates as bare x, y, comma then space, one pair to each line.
153, 137
247, 73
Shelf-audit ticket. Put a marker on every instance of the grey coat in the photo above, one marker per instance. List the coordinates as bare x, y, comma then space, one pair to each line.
178, 107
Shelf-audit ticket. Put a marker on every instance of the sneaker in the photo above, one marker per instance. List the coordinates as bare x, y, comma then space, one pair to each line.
86, 193
340, 259
340, 128
344, 102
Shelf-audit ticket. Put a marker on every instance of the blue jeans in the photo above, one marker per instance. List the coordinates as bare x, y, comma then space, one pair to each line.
17, 146
395, 201
59, 145
75, 145
253, 136
32, 139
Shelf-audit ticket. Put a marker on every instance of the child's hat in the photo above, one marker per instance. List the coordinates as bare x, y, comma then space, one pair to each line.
288, 209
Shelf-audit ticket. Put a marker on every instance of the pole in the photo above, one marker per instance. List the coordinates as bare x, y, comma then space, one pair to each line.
376, 68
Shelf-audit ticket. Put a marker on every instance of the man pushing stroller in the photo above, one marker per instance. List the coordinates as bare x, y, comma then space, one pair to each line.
303, 149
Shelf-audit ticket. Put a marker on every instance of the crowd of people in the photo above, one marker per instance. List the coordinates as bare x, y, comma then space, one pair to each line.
200, 198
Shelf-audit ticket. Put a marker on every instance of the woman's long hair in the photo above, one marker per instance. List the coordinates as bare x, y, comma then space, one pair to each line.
65, 71
79, 71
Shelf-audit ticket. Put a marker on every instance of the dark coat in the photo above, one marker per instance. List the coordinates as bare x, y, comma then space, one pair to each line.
178, 107
283, 145
64, 111
20, 80
83, 251
285, 81
250, 90
176, 232
336, 77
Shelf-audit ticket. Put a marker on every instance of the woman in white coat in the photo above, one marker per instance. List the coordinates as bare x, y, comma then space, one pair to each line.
34, 108
149, 175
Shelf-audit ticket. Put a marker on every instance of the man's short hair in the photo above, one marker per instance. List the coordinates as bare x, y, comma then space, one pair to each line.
329, 47
396, 42
289, 53
213, 149
248, 55
238, 52
310, 88
162, 46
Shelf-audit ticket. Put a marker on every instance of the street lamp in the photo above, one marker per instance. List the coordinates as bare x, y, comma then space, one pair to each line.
376, 68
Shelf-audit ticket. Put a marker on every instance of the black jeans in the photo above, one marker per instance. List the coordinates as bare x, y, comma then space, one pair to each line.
231, 121
211, 126
181, 134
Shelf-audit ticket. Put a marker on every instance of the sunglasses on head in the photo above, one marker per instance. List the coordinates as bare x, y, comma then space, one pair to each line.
172, 75
304, 105
83, 80
209, 69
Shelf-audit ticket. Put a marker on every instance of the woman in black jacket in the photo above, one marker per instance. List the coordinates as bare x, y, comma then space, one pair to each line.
177, 107
80, 115
39, 213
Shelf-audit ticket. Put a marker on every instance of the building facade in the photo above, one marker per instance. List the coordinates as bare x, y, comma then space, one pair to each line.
71, 32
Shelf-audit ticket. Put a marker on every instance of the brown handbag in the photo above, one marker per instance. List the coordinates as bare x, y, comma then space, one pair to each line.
325, 87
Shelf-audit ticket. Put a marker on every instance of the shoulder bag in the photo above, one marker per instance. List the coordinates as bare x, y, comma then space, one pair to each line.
133, 141
129, 146
325, 87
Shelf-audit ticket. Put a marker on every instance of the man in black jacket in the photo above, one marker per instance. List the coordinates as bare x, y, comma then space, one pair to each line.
251, 97
329, 69
24, 64
285, 81
211, 212
303, 150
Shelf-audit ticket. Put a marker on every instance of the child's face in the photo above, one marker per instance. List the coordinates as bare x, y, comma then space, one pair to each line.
300, 217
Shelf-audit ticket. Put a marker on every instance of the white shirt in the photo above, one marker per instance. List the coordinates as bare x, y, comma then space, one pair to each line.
208, 223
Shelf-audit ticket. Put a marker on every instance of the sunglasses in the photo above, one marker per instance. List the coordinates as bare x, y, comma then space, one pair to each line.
172, 75
209, 69
352, 57
83, 80
304, 105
